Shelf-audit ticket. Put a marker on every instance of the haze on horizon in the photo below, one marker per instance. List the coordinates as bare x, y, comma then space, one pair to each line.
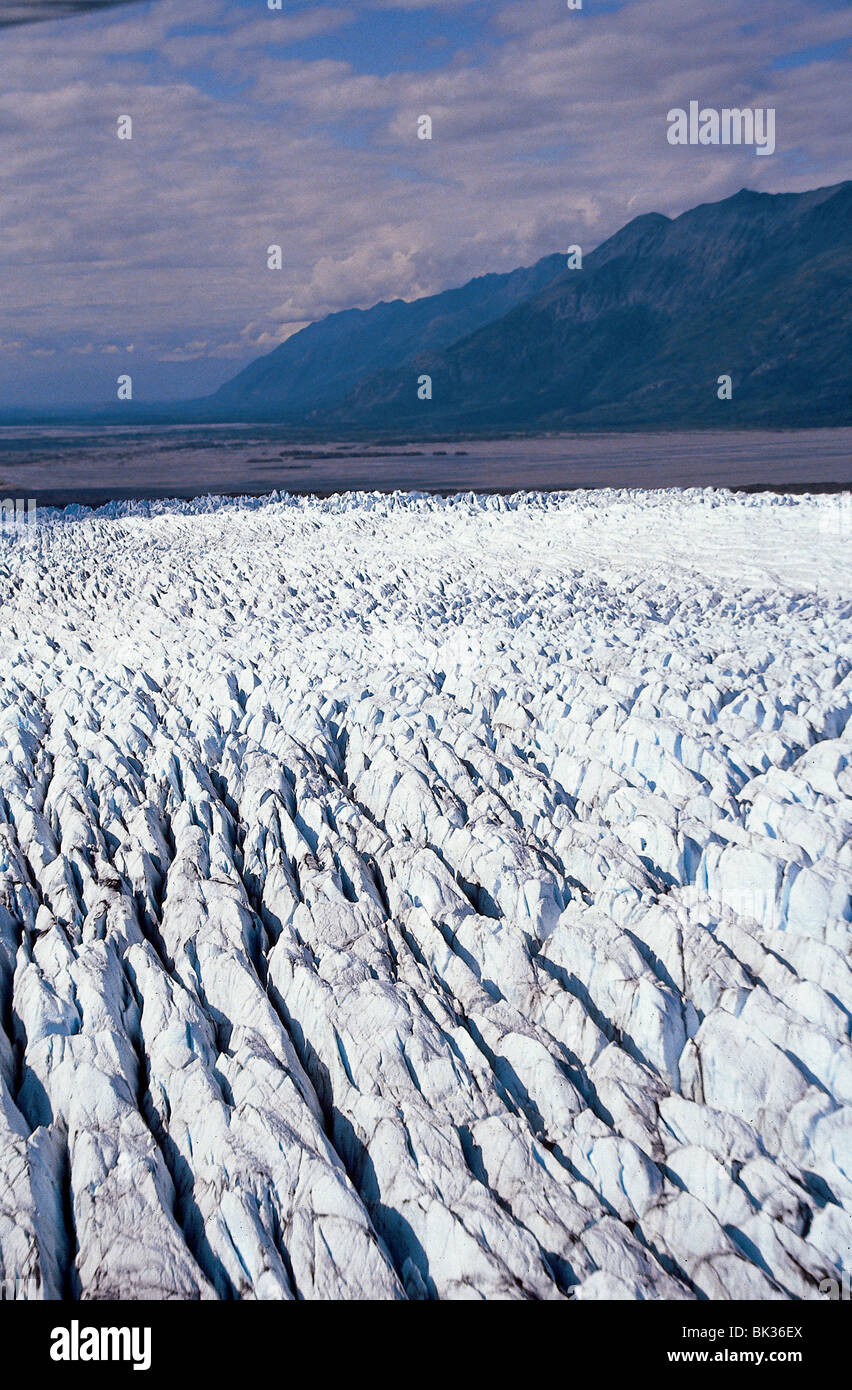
298, 127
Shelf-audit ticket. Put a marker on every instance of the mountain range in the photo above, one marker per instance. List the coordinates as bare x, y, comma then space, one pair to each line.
756, 287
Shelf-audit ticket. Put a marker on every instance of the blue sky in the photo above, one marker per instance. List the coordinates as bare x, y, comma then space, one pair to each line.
299, 127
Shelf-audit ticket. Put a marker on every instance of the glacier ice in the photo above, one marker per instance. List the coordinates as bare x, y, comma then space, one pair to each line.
432, 899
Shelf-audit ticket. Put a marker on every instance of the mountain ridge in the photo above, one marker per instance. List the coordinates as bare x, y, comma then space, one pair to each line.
328, 348
755, 286
758, 290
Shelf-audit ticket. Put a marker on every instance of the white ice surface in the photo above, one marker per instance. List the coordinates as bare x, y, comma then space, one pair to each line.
430, 899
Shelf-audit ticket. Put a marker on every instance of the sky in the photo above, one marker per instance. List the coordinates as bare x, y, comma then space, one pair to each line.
298, 127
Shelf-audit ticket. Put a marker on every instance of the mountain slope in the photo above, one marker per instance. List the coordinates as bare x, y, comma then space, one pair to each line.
324, 361
757, 287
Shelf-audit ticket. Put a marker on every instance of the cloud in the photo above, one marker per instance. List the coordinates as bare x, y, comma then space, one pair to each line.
252, 127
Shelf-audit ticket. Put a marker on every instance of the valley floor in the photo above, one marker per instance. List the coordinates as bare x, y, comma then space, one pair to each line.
407, 898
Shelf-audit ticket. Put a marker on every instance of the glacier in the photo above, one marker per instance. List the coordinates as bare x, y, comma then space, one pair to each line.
420, 898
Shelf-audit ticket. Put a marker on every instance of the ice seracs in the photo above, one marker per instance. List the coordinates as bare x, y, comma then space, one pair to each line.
406, 898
